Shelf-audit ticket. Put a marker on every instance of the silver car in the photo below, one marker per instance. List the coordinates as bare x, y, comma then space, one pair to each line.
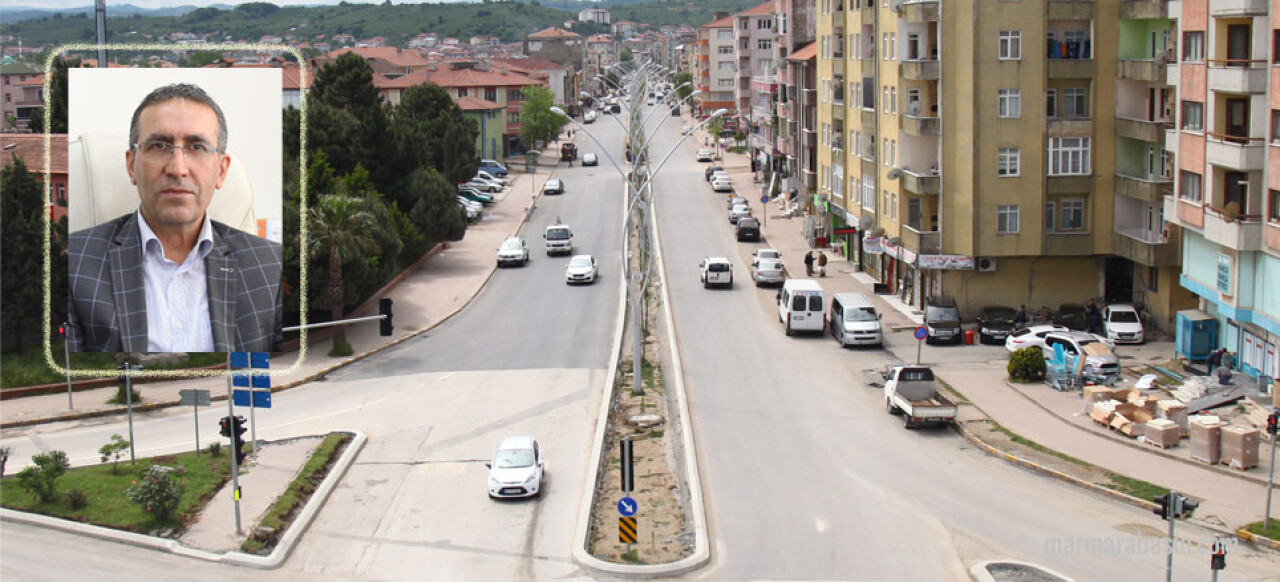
767, 271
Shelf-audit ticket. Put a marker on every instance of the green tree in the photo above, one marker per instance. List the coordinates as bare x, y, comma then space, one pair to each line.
433, 133
22, 271
200, 59
683, 92
340, 229
626, 55
537, 121
57, 100
113, 451
41, 478
435, 208
346, 84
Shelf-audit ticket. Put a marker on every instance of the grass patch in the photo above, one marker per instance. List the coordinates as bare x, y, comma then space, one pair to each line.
28, 367
1030, 444
104, 490
1272, 533
296, 495
955, 394
1164, 378
1135, 487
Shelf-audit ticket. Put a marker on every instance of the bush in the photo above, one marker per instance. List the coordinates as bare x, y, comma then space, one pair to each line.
41, 480
77, 498
113, 451
1027, 365
215, 449
159, 492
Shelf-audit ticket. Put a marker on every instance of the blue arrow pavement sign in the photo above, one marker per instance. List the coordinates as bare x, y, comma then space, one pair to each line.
627, 506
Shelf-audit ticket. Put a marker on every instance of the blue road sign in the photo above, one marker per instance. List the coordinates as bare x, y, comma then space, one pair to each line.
261, 398
921, 333
627, 506
764, 199
239, 359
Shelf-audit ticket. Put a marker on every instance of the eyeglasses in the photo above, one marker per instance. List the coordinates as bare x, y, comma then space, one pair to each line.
161, 151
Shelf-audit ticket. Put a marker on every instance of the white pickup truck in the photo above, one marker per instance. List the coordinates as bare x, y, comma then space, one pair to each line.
912, 392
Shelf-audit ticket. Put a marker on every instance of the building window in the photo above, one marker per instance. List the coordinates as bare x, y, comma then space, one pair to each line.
1051, 102
1275, 126
1193, 115
1153, 279
1273, 205
915, 213
1050, 216
513, 118
725, 83
1275, 48
884, 149
1010, 45
1007, 162
893, 206
1009, 103
725, 50
1191, 186
1074, 103
764, 24
869, 192
491, 94
893, 99
62, 194
1193, 45
514, 95
1069, 156
462, 91
1072, 215
764, 44
1007, 219
885, 97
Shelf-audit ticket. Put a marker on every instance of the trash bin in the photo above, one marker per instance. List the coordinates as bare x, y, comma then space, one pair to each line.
968, 337
820, 242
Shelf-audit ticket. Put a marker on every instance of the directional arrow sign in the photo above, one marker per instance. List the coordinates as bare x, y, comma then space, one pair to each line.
627, 506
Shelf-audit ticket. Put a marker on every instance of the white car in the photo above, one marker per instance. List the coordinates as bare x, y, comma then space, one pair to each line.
738, 211
482, 185
589, 116
553, 186
470, 212
590, 159
684, 129
581, 269
763, 254
704, 155
513, 251
716, 271
470, 204
1035, 334
491, 178
517, 468
721, 183
767, 271
1121, 324
1099, 360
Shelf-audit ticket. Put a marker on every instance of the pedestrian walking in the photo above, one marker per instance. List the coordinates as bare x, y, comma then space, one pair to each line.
1020, 321
1094, 317
822, 264
808, 264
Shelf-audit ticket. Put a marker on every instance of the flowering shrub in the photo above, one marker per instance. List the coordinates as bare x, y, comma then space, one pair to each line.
158, 492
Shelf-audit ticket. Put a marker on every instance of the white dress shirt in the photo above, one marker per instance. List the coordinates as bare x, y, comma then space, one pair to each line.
177, 294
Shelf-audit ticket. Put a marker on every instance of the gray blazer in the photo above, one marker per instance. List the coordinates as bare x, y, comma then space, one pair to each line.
107, 310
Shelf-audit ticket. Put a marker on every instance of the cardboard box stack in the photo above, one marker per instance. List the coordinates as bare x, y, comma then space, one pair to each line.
1098, 393
1206, 439
1176, 411
1102, 411
1240, 447
1162, 433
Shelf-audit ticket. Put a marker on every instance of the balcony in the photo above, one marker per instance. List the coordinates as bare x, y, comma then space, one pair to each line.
1146, 70
1235, 77
1143, 9
1244, 233
921, 126
837, 66
1141, 129
1060, 126
920, 70
920, 11
1069, 184
1068, 244
1147, 190
928, 242
1070, 68
1246, 154
1272, 230
1139, 247
930, 184
1238, 7
1069, 10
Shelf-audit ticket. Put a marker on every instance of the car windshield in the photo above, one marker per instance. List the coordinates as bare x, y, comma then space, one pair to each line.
558, 234
863, 314
942, 314
999, 315
740, 208
553, 183
513, 458
511, 245
1122, 316
580, 262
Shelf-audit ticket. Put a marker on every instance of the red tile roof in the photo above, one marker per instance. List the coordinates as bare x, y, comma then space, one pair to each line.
807, 53
477, 78
393, 55
765, 8
29, 147
555, 32
470, 103
726, 22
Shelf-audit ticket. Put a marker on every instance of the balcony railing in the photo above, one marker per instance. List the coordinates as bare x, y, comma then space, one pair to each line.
1070, 68
1146, 70
1141, 129
921, 126
1146, 249
930, 183
920, 11
1237, 7
1235, 152
1069, 243
1143, 9
1238, 76
928, 242
1145, 189
1243, 232
1059, 126
920, 70
1070, 10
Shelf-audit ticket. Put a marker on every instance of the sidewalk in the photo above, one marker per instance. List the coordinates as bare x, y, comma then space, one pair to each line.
1231, 498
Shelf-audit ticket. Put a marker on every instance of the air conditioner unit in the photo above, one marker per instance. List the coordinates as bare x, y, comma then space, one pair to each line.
986, 264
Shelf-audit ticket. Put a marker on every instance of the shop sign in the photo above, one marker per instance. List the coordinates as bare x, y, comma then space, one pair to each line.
946, 262
871, 245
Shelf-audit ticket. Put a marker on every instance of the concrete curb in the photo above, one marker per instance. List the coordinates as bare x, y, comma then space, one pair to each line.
274, 560
1145, 449
1257, 539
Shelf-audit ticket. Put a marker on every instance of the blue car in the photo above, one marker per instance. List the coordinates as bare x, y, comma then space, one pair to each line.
493, 167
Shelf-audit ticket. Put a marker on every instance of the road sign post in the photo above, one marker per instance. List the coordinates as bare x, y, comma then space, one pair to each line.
921, 333
628, 473
196, 398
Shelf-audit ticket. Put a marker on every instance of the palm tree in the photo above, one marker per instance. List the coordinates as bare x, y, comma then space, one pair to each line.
340, 226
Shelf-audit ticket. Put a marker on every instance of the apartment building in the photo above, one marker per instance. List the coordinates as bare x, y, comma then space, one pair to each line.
716, 74
755, 36
1226, 196
796, 104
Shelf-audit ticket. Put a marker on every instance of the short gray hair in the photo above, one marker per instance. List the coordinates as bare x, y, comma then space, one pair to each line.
180, 91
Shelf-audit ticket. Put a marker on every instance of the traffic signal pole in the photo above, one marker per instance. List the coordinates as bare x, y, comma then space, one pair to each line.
235, 456
1169, 559
66, 353
1273, 427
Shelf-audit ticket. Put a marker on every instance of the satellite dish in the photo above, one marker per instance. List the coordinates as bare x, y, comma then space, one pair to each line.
913, 108
894, 174
1231, 212
864, 222
897, 5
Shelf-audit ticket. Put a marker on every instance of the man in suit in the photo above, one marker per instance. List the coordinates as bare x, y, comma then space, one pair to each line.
167, 278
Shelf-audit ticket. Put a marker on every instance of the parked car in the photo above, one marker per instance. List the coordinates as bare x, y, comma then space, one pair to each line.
768, 272
475, 195
912, 392
1100, 361
493, 167
589, 116
517, 468
553, 186
491, 178
1121, 324
482, 185
719, 175
765, 254
995, 323
614, 108
738, 211
711, 170
736, 200
590, 159
581, 269
721, 184
716, 271
470, 212
1073, 316
1031, 336
704, 155
513, 251
675, 112
470, 204
942, 320
747, 229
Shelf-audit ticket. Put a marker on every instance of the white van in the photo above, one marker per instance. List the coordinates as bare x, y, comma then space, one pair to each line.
854, 320
559, 239
800, 306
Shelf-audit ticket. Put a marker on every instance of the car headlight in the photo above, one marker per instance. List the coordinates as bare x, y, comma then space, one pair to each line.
987, 331
494, 483
532, 477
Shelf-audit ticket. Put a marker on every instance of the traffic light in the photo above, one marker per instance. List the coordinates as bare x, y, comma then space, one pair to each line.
1218, 560
1273, 422
384, 309
62, 331
237, 431
224, 426
1182, 507
1163, 502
